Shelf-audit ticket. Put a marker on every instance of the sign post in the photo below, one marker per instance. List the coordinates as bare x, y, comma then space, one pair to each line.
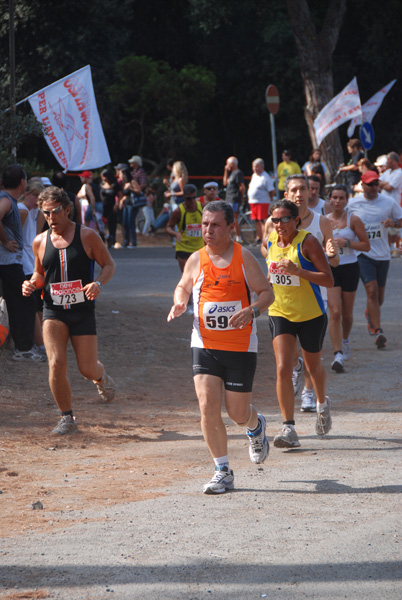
272, 100
366, 134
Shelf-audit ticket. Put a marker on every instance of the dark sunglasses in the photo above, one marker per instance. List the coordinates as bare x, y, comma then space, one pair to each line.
210, 189
276, 220
373, 183
54, 211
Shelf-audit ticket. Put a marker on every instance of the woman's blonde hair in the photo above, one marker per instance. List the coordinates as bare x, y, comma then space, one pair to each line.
180, 170
34, 185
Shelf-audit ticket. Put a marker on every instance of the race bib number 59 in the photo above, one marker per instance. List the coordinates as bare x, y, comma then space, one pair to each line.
216, 315
66, 293
278, 277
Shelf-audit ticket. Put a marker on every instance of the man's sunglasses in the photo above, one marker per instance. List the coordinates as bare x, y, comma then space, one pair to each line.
276, 220
373, 183
54, 211
210, 189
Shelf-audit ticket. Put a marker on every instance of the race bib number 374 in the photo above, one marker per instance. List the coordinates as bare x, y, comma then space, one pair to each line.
66, 293
216, 315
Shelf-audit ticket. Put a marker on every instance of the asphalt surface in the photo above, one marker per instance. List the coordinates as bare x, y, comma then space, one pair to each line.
322, 522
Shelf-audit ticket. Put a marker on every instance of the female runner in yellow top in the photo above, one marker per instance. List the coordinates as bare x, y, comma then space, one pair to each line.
297, 267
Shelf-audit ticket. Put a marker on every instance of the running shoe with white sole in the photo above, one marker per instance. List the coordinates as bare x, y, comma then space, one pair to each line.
380, 339
106, 387
346, 350
258, 442
287, 438
221, 481
307, 401
297, 376
337, 364
66, 425
32, 355
324, 420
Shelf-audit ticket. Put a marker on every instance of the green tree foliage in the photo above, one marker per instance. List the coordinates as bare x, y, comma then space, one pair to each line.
159, 107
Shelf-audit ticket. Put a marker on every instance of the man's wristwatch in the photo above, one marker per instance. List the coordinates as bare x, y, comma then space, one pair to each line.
255, 311
347, 244
98, 283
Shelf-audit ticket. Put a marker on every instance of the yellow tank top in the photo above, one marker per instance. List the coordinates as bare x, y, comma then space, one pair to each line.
190, 228
296, 299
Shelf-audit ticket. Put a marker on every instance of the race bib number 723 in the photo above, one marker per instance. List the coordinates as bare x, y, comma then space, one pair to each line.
66, 293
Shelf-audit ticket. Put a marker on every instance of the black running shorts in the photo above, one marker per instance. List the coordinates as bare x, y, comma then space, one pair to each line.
310, 333
78, 322
236, 369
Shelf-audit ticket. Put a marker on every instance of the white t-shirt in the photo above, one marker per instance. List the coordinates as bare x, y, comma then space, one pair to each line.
372, 213
394, 178
259, 188
319, 208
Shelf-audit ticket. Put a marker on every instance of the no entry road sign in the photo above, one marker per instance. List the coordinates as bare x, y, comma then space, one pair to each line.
272, 99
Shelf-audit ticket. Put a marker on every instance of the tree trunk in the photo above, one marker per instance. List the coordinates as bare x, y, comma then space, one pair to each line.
315, 54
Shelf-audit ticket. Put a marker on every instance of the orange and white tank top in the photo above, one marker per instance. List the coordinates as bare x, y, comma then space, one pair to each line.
217, 295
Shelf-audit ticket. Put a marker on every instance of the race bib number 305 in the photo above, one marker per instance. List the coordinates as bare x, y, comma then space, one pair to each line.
216, 315
278, 277
66, 293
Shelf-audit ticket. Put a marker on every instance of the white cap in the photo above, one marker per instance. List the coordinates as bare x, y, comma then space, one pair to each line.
211, 184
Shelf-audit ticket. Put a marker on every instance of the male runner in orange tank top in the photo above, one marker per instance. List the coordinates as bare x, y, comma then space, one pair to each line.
221, 276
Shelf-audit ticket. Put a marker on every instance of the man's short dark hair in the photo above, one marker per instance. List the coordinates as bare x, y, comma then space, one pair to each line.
54, 194
296, 176
12, 176
221, 206
314, 178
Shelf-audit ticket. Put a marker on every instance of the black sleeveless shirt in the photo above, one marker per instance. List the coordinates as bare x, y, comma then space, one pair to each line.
67, 264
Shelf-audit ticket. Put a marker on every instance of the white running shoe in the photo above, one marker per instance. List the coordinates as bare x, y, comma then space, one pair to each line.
308, 401
337, 364
324, 420
287, 438
220, 482
346, 350
297, 376
259, 445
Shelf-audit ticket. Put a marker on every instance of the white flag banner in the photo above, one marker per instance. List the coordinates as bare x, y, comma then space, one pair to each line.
342, 108
370, 108
73, 131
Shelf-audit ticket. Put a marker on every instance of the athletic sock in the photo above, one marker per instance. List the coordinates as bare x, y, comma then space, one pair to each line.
321, 407
67, 413
222, 461
256, 429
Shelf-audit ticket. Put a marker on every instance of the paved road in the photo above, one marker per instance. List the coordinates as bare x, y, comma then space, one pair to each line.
320, 523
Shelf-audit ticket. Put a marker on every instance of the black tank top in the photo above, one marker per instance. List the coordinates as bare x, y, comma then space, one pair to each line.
67, 264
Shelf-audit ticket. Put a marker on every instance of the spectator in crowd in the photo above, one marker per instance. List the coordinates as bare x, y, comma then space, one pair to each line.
89, 196
233, 180
391, 184
148, 209
178, 180
29, 212
351, 170
315, 157
137, 172
129, 204
111, 194
261, 192
285, 168
21, 311
363, 165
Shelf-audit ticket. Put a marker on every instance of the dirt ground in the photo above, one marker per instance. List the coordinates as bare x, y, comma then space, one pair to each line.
116, 460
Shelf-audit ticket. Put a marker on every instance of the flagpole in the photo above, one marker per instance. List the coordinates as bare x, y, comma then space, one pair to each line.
12, 80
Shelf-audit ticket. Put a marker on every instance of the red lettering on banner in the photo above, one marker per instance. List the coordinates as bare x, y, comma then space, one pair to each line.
81, 100
54, 142
42, 103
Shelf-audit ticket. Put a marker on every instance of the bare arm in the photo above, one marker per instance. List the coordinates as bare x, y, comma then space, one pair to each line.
184, 287
173, 220
23, 216
5, 207
260, 285
37, 280
363, 244
312, 250
329, 243
268, 228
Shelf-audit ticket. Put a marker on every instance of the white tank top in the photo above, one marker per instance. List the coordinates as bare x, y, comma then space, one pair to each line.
346, 255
